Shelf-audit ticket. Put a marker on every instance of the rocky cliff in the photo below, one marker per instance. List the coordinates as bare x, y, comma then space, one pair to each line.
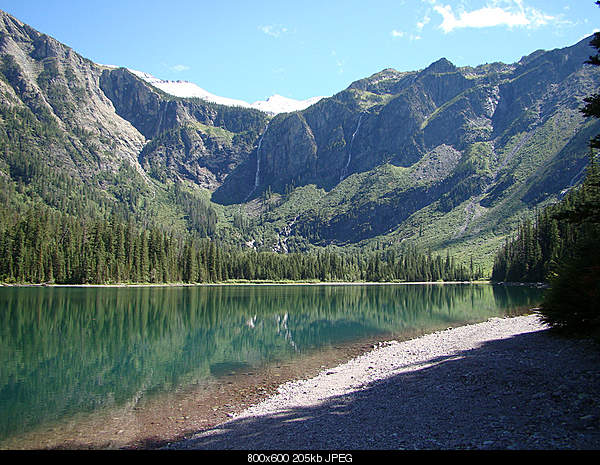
465, 151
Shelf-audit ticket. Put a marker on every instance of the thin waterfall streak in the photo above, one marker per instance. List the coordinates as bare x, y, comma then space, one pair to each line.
257, 174
345, 170
572, 182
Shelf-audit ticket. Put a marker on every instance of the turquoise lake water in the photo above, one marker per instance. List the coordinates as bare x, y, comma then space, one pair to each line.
67, 350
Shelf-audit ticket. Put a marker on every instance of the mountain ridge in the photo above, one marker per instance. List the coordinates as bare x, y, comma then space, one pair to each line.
446, 158
274, 104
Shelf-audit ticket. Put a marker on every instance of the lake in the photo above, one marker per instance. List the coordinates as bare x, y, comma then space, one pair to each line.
72, 351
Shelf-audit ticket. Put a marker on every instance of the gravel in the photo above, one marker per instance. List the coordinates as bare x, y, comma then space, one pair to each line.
507, 383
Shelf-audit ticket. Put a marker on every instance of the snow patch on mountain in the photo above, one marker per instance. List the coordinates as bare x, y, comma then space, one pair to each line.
274, 104
279, 104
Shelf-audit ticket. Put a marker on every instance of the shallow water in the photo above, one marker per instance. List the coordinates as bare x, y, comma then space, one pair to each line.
67, 352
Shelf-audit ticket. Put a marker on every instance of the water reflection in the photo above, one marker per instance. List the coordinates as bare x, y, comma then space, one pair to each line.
70, 350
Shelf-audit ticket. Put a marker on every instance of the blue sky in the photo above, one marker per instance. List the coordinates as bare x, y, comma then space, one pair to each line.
299, 49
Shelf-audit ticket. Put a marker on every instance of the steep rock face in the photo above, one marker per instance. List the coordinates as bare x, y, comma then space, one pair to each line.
189, 138
388, 81
399, 117
288, 151
353, 131
201, 154
533, 82
137, 103
396, 128
154, 112
477, 147
61, 89
442, 81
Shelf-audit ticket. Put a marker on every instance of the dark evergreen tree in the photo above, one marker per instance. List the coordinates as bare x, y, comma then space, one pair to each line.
562, 246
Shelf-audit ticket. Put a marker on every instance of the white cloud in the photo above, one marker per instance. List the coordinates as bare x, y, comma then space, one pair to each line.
511, 14
339, 63
411, 37
421, 24
273, 31
180, 68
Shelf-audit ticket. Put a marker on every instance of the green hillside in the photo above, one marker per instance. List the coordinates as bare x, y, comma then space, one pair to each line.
441, 160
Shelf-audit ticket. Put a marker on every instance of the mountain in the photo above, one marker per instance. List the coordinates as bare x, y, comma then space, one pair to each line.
446, 158
57, 127
274, 105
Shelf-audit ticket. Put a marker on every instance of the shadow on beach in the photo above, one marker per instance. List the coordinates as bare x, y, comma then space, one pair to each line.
530, 391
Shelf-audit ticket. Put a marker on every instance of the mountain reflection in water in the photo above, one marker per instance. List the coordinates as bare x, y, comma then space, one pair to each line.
69, 350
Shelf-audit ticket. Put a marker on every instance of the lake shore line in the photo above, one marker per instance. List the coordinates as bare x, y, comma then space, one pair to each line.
269, 283
153, 418
507, 383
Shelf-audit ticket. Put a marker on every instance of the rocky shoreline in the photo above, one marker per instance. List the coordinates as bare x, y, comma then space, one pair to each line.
507, 383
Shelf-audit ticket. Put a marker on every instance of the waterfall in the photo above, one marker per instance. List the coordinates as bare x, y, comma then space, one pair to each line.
345, 170
257, 174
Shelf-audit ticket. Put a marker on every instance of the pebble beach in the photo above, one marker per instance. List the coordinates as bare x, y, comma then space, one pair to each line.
504, 384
